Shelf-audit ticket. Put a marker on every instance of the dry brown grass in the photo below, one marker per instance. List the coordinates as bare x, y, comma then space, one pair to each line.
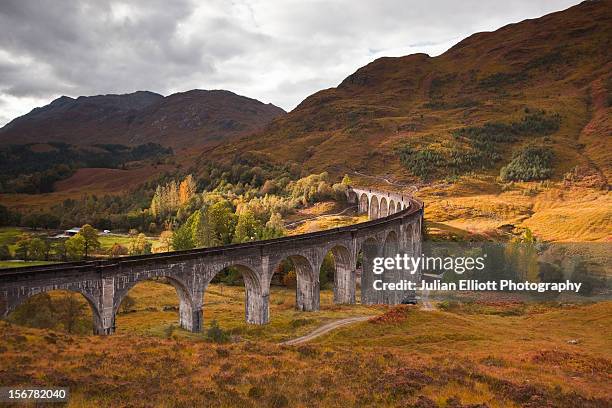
554, 212
408, 357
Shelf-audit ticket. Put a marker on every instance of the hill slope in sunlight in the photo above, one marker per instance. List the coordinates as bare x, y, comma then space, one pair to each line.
559, 63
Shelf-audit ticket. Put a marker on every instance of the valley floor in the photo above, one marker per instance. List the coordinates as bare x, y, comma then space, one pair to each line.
491, 353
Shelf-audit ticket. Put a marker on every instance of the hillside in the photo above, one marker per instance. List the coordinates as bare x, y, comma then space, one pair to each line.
183, 120
559, 63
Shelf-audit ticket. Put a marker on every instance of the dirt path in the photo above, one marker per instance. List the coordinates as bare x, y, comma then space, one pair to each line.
326, 328
425, 303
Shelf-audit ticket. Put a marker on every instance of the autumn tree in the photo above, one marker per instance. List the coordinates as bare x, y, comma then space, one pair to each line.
140, 245
187, 189
117, 250
165, 239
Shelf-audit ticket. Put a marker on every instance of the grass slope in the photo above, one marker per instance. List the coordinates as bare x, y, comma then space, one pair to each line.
403, 357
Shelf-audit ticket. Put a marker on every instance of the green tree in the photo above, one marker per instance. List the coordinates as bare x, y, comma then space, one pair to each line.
201, 232
60, 250
5, 215
90, 239
183, 237
22, 248
248, 227
37, 249
346, 180
328, 268
75, 247
275, 227
222, 222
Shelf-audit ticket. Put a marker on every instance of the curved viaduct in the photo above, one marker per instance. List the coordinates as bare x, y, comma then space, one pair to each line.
394, 227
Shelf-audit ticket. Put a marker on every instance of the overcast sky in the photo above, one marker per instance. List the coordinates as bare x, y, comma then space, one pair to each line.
277, 51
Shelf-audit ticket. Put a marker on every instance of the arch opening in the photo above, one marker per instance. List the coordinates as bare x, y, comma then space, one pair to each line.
352, 197
384, 210
223, 294
338, 271
369, 250
390, 250
364, 205
374, 208
391, 207
300, 274
63, 310
155, 305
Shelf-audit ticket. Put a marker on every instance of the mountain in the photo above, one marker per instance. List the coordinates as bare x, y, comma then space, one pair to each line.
187, 119
545, 81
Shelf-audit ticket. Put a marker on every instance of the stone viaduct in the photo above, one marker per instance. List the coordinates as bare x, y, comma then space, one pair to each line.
394, 227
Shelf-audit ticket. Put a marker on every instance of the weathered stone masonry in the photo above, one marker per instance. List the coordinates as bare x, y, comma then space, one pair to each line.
394, 227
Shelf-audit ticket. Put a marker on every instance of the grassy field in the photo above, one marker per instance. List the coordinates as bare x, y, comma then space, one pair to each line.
10, 235
156, 310
19, 264
548, 355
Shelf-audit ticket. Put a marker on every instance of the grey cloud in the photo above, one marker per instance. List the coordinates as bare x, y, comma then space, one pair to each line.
276, 51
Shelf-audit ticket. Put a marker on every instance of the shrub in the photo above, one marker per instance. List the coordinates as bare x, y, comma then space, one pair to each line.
500, 79
4, 253
117, 250
530, 163
168, 331
290, 279
216, 334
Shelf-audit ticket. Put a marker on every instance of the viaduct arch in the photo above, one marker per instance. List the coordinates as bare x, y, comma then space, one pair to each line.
394, 227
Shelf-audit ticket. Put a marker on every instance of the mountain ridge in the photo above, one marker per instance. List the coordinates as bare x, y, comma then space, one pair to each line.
550, 64
185, 119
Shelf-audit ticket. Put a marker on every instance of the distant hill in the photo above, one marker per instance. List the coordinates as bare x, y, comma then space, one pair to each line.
188, 119
448, 114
